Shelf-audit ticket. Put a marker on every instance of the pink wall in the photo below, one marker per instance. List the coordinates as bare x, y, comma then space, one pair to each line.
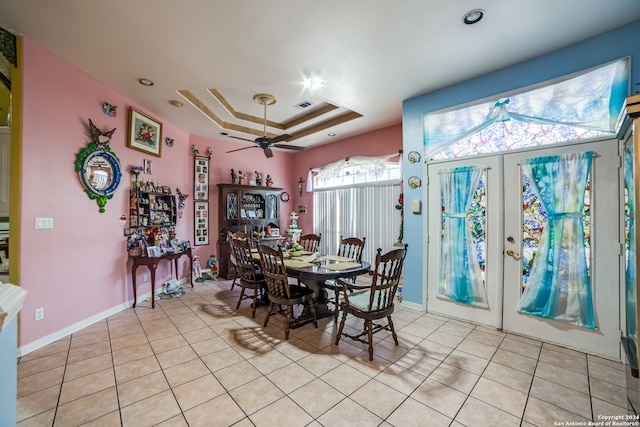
79, 269
377, 143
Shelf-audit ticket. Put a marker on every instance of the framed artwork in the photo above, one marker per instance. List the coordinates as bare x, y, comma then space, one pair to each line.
201, 223
148, 166
201, 178
153, 251
145, 133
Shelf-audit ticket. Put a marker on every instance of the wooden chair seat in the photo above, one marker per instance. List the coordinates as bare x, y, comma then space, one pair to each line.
281, 292
248, 273
374, 301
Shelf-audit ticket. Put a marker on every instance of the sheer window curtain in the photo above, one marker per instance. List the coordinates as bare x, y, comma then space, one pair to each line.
559, 286
367, 211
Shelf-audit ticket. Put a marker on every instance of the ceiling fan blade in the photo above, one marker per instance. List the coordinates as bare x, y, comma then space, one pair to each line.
243, 148
244, 139
267, 152
279, 138
289, 147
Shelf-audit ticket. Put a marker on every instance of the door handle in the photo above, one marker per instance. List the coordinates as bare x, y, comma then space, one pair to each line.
513, 254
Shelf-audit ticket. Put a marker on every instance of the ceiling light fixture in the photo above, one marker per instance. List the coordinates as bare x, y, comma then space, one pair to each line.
313, 83
473, 16
145, 82
331, 134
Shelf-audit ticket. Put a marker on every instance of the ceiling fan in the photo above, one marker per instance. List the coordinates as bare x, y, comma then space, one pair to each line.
264, 141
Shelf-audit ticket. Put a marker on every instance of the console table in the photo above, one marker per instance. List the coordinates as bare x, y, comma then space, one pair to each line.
152, 264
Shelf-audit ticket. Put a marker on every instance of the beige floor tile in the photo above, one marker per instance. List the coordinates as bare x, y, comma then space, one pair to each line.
482, 336
440, 397
378, 398
413, 413
41, 364
84, 386
136, 368
198, 391
563, 360
41, 381
141, 388
290, 377
433, 349
237, 375
466, 361
270, 361
400, 378
222, 359
609, 392
607, 373
169, 343
345, 378
417, 361
185, 372
129, 354
483, 350
37, 403
318, 363
209, 345
296, 349
510, 377
474, 412
256, 395
88, 351
87, 408
564, 397
601, 407
226, 411
541, 413
349, 413
62, 345
177, 421
454, 377
455, 328
81, 340
417, 330
515, 361
520, 346
108, 420
150, 411
316, 397
176, 356
565, 377
272, 415
500, 396
200, 334
43, 419
88, 366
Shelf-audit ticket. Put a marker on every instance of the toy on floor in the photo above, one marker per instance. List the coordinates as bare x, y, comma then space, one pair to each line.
212, 264
197, 271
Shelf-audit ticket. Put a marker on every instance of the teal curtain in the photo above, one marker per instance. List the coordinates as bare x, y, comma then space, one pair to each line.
559, 286
460, 274
630, 271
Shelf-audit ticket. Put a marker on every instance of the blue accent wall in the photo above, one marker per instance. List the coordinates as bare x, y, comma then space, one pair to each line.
621, 42
9, 375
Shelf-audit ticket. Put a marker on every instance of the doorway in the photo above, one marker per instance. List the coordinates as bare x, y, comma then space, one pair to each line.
499, 258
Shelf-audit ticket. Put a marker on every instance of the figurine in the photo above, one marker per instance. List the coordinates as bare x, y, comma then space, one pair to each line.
241, 178
233, 176
258, 179
197, 271
213, 267
269, 181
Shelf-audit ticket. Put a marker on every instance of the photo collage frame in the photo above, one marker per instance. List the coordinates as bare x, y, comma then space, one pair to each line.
201, 200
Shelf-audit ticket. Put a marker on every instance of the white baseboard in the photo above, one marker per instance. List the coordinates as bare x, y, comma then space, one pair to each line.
35, 345
413, 306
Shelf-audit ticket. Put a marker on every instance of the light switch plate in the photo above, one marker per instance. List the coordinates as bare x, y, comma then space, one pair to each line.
416, 206
43, 223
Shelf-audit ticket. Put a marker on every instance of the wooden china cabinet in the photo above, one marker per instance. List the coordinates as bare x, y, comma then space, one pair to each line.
246, 208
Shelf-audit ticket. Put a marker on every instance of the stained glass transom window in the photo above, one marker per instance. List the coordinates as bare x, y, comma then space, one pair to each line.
579, 107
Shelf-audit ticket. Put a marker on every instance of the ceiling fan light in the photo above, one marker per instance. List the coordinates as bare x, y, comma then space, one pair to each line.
473, 16
313, 83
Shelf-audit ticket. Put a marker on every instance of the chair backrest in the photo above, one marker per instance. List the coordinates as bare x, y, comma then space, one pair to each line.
310, 242
351, 247
245, 264
386, 278
274, 271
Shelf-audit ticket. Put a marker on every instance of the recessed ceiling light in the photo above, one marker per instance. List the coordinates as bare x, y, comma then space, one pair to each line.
145, 82
331, 134
313, 83
176, 103
473, 16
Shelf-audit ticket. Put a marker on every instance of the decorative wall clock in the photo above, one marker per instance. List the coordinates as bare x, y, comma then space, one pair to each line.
284, 196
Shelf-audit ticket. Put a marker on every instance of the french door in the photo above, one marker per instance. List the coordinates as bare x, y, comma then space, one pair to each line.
500, 211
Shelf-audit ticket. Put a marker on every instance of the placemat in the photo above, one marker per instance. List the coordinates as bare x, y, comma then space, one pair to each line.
334, 258
339, 266
299, 253
296, 263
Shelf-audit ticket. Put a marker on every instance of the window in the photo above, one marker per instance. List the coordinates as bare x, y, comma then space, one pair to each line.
357, 170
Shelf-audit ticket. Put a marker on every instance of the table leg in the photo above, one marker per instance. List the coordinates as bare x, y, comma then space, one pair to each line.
319, 298
152, 268
133, 280
190, 268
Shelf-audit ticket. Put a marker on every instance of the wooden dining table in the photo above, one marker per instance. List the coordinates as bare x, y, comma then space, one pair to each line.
314, 275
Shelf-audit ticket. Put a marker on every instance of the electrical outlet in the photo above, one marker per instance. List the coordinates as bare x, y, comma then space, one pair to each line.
144, 277
39, 313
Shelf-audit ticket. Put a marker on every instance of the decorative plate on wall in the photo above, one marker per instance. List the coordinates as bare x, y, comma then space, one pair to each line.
414, 182
284, 196
414, 157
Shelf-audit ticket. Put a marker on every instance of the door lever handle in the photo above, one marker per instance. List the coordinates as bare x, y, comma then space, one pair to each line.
513, 254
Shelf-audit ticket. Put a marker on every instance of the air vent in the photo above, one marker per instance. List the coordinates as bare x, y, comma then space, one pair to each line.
304, 104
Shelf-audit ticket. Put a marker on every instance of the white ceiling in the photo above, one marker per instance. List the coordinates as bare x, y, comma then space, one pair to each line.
371, 54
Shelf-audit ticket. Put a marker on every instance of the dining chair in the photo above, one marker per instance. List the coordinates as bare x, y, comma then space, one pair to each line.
310, 242
350, 247
374, 301
232, 258
281, 292
248, 272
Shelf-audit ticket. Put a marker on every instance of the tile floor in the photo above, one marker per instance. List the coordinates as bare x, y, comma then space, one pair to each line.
196, 361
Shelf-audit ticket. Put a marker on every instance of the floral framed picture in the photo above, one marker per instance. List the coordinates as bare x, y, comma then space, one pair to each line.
201, 223
145, 133
201, 178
